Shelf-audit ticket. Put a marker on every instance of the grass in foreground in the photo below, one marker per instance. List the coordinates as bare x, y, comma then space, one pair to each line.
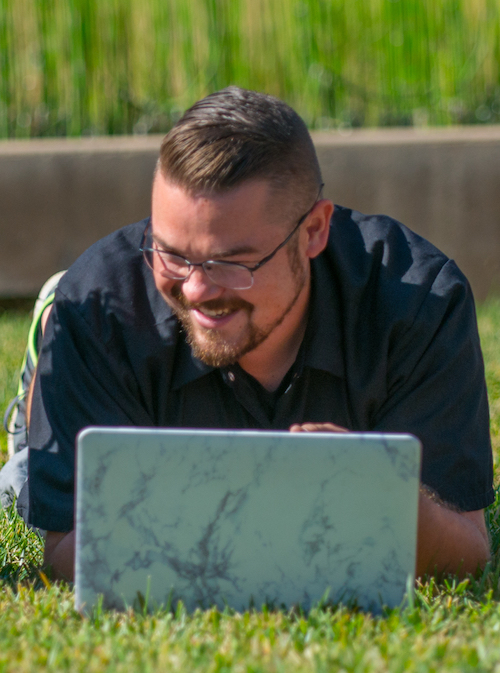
451, 627
444, 631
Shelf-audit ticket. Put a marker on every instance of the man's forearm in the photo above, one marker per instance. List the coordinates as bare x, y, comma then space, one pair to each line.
449, 541
59, 555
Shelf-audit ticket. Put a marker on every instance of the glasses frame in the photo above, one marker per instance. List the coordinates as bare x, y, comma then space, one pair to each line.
221, 262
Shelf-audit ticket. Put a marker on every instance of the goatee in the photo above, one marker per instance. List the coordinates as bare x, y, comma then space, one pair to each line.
215, 350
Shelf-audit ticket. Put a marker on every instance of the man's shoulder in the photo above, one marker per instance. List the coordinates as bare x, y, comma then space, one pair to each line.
385, 276
378, 250
101, 262
111, 278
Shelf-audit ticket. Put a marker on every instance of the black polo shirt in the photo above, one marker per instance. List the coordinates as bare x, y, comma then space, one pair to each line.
391, 345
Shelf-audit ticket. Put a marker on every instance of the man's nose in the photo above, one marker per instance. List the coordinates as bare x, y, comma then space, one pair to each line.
198, 287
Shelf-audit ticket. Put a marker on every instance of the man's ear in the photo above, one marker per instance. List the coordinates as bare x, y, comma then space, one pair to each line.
318, 227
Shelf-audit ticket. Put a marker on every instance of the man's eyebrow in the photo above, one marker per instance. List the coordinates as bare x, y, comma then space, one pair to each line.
232, 252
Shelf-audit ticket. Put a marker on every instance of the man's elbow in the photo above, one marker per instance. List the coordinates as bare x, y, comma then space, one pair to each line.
450, 541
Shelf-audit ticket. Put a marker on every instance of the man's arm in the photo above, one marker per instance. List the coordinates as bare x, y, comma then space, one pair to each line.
450, 541
447, 540
59, 555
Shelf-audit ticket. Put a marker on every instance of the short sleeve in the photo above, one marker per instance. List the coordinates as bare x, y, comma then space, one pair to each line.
437, 391
80, 381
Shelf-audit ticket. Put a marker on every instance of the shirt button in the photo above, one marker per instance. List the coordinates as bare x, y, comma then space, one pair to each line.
231, 377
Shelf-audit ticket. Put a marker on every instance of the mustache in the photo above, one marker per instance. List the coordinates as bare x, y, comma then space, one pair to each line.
233, 304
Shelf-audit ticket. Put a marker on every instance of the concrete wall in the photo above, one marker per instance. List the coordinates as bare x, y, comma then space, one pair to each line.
59, 196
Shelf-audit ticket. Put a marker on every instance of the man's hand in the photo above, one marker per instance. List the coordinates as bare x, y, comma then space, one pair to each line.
316, 427
59, 555
447, 541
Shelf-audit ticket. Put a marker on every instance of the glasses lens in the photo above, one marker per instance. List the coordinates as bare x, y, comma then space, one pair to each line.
166, 264
231, 276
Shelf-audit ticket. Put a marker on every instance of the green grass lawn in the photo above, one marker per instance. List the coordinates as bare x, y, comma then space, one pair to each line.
452, 627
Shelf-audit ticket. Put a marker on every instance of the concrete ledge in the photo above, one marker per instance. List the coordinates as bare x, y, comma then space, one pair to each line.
59, 196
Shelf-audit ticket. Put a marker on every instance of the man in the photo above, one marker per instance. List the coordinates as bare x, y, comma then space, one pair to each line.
247, 301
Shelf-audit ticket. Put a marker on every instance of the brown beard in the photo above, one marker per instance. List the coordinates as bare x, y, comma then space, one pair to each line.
217, 352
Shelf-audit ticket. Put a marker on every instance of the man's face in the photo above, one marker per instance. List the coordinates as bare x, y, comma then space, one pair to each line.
243, 225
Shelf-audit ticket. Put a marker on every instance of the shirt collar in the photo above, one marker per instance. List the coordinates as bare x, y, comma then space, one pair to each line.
187, 368
321, 348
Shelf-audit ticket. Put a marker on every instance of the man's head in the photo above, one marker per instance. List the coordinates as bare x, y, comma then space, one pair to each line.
235, 135
235, 176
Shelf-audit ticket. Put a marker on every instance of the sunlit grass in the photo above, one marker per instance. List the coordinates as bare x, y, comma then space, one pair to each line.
14, 326
448, 629
71, 67
489, 328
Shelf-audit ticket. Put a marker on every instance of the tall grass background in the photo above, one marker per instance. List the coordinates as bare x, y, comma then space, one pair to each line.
80, 67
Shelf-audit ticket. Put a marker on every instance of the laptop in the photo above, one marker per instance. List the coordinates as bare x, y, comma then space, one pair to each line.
244, 518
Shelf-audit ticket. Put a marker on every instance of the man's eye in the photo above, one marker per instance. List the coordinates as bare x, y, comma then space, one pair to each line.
240, 262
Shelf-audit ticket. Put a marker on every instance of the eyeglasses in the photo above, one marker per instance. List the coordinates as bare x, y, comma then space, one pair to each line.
230, 275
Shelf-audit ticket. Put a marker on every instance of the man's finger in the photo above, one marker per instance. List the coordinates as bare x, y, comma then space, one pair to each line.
317, 427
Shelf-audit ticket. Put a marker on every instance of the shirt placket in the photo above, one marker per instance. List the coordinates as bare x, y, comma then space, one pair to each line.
290, 406
246, 396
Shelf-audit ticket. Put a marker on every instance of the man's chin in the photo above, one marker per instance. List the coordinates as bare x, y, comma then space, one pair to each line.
214, 350
215, 357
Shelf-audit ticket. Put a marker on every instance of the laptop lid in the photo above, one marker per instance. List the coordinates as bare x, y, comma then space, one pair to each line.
241, 518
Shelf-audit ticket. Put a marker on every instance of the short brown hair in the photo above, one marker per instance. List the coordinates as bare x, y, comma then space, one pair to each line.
235, 135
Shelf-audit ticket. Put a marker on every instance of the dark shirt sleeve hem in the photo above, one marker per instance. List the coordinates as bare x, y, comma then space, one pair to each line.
475, 502
62, 523
59, 525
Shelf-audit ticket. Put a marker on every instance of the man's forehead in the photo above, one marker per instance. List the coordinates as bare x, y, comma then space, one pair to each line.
254, 201
264, 185
236, 223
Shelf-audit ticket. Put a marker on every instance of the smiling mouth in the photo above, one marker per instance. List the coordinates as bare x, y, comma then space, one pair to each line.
213, 309
221, 313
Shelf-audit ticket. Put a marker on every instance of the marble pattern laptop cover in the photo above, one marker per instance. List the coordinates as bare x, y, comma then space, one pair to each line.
242, 518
